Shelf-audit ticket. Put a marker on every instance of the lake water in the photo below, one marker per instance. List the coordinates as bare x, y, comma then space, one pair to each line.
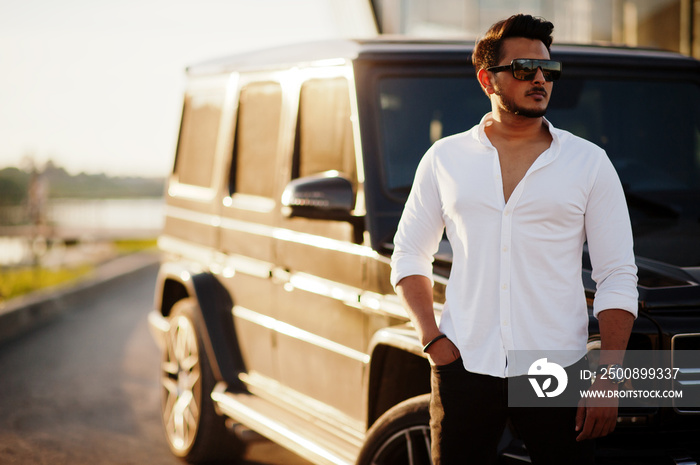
108, 214
92, 218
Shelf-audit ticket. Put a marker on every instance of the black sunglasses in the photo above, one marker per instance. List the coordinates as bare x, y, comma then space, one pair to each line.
525, 69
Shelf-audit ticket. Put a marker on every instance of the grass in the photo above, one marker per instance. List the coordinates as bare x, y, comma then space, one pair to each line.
19, 280
125, 246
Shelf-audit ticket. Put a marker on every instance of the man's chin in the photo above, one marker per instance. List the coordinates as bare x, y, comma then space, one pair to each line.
534, 111
531, 112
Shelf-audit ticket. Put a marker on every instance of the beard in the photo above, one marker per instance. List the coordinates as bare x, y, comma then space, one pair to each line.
510, 106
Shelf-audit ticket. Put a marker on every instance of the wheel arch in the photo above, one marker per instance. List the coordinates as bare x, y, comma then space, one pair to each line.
174, 283
214, 318
398, 370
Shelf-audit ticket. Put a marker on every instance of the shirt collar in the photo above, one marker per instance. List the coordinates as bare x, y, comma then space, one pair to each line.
550, 154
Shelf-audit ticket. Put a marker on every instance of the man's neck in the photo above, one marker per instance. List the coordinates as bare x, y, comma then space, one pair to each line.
515, 128
519, 142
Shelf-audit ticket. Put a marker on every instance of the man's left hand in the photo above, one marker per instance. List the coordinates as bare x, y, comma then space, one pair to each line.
597, 416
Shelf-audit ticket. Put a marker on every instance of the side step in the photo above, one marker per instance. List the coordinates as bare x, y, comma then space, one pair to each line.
312, 439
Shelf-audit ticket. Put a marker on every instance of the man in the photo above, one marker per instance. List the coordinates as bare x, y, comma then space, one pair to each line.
517, 198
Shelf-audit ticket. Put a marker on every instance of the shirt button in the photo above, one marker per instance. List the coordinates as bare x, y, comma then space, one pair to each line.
504, 287
505, 248
506, 213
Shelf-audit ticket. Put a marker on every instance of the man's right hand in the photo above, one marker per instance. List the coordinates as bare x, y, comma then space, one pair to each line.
416, 294
443, 352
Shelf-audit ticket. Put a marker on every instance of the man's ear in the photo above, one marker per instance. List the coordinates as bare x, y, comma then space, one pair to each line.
485, 80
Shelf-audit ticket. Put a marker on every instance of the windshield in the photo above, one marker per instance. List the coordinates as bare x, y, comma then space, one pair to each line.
417, 111
650, 130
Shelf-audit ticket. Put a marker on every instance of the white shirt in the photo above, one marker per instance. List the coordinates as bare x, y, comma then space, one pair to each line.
516, 282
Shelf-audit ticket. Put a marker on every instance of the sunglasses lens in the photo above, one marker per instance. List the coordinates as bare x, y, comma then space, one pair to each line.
525, 70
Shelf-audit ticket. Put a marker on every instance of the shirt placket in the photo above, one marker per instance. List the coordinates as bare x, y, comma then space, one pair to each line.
505, 260
506, 257
505, 284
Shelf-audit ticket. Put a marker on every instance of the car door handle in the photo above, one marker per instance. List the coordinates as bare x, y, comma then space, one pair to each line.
280, 275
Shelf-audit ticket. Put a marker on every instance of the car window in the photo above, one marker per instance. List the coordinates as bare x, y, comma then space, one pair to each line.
257, 133
324, 135
196, 149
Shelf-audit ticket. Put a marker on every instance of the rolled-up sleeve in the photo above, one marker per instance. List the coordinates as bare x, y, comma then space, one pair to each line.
610, 243
421, 226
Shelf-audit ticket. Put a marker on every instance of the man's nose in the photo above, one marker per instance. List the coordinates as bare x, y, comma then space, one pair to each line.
539, 76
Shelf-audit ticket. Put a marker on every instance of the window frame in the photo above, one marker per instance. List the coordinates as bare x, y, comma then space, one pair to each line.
202, 193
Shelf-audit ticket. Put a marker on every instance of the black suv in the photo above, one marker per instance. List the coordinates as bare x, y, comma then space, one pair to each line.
273, 305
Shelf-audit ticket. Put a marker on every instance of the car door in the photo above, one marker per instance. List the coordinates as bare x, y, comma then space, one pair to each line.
321, 350
249, 216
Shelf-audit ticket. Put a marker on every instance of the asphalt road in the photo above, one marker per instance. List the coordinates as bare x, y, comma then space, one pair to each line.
83, 389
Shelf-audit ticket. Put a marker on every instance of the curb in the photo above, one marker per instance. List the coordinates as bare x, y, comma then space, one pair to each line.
20, 315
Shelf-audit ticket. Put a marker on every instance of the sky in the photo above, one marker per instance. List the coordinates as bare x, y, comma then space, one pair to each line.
97, 85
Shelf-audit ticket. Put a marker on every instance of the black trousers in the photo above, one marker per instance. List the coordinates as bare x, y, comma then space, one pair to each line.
469, 412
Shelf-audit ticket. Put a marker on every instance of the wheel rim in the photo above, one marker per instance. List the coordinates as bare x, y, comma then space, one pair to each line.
181, 380
410, 446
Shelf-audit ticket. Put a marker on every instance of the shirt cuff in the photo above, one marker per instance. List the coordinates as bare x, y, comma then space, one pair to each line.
410, 267
626, 303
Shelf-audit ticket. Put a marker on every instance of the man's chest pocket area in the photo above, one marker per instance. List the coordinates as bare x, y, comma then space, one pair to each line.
552, 204
470, 198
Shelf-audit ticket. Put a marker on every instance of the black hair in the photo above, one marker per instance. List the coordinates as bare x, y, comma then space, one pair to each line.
487, 52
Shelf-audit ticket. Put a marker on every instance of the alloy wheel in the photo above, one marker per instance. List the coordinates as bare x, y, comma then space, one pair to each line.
410, 446
181, 380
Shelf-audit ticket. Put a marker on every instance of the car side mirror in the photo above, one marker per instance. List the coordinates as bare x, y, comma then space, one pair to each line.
328, 196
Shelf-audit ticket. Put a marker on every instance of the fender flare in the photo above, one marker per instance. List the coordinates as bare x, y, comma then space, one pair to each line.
392, 340
214, 318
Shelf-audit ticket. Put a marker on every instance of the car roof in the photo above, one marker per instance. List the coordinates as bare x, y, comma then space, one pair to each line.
385, 48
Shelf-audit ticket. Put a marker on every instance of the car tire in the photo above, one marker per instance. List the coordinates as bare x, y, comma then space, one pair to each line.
193, 429
401, 436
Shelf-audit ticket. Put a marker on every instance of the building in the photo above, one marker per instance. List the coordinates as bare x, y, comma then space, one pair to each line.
665, 24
